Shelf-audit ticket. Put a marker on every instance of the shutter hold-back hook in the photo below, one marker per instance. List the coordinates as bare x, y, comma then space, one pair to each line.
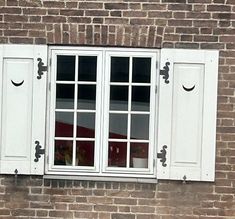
16, 172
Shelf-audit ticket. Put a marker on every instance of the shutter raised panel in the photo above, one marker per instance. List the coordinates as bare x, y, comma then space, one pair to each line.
23, 108
187, 115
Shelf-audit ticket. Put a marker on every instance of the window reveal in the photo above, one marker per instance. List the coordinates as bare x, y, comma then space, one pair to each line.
121, 142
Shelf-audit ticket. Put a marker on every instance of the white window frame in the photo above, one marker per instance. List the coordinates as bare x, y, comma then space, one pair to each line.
102, 81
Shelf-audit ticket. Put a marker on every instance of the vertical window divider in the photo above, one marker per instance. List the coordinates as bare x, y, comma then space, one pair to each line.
129, 113
75, 111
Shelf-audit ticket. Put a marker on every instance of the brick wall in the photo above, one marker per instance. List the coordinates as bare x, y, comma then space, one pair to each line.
200, 24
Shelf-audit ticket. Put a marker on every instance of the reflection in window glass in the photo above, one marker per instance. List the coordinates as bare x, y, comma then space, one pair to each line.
87, 68
64, 124
119, 69
140, 98
141, 70
85, 151
139, 155
118, 97
118, 126
117, 154
65, 68
140, 126
86, 97
86, 125
63, 152
64, 96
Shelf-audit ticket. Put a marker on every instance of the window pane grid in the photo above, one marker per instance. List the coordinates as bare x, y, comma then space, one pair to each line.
76, 82
78, 139
133, 112
129, 83
138, 107
74, 140
76, 110
130, 140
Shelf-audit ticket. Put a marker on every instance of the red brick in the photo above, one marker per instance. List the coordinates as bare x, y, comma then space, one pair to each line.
180, 7
181, 23
115, 6
11, 2
136, 21
15, 32
59, 214
71, 4
20, 40
71, 12
10, 10
53, 4
53, 19
123, 216
15, 18
149, 6
134, 13
80, 20
90, 5
116, 21
218, 8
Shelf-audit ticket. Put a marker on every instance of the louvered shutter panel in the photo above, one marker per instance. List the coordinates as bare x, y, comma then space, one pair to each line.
23, 106
187, 115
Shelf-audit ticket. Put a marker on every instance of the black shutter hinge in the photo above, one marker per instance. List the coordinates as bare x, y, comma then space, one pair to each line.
38, 151
41, 68
162, 155
165, 72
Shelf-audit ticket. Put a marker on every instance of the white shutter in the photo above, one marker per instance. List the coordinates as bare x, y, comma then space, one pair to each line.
23, 106
187, 115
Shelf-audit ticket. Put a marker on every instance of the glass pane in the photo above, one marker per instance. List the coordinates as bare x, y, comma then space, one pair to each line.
141, 70
64, 96
86, 97
117, 154
86, 125
140, 126
64, 124
65, 68
118, 126
140, 98
85, 153
63, 152
87, 68
120, 69
139, 155
118, 97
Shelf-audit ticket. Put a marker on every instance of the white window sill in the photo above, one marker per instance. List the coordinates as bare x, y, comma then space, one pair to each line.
104, 179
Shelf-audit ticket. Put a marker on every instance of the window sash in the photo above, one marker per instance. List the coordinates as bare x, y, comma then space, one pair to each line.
75, 110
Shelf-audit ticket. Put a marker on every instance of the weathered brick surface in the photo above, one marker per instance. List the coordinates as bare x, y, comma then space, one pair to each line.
196, 24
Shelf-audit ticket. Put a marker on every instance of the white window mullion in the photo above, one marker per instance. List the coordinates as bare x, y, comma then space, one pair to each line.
129, 113
75, 112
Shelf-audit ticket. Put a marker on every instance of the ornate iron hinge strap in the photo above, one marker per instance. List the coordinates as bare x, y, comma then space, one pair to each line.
165, 72
41, 68
162, 155
38, 151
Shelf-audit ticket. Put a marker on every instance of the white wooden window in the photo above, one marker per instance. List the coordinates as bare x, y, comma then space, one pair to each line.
111, 112
102, 111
